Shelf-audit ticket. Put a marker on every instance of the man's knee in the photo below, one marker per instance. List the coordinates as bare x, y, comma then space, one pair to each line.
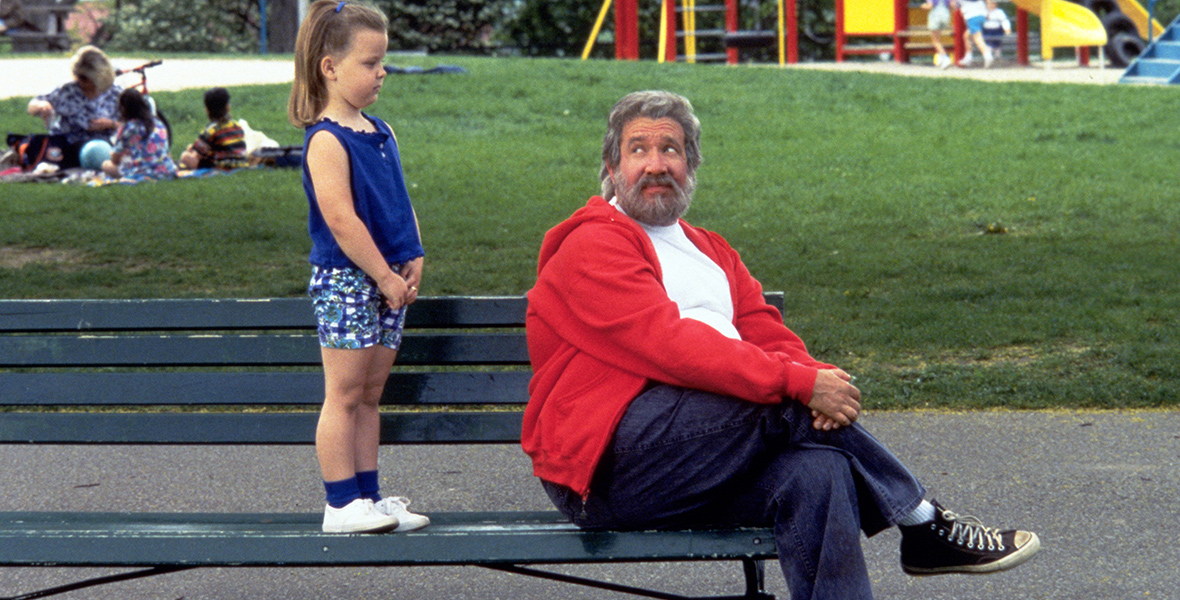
818, 478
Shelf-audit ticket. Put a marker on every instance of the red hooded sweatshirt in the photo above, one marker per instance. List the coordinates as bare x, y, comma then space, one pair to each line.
601, 326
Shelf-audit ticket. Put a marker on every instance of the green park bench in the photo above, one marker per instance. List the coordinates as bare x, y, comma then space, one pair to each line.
243, 372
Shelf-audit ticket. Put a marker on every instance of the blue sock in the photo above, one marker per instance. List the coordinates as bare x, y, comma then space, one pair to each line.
340, 493
367, 482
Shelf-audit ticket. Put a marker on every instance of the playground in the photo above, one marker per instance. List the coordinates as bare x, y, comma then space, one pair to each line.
1119, 34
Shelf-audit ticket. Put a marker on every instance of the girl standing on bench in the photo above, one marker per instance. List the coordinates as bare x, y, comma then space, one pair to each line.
366, 252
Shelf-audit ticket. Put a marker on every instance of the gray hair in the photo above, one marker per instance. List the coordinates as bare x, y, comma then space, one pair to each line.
652, 105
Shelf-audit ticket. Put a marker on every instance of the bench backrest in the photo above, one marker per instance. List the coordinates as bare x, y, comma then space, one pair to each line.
248, 372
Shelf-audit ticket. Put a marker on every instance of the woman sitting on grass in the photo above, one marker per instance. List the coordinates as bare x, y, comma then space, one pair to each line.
141, 146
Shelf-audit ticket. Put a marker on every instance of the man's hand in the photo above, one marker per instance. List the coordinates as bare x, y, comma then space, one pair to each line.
835, 402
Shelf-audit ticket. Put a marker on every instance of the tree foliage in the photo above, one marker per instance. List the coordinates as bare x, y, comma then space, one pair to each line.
444, 25
190, 26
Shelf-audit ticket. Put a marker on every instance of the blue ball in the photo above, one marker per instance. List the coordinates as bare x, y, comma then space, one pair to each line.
94, 153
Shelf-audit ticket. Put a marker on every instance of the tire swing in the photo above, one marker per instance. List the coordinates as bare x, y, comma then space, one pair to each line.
1124, 48
1124, 44
1101, 7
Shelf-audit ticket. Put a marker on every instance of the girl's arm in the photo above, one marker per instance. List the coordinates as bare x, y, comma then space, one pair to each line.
327, 162
412, 271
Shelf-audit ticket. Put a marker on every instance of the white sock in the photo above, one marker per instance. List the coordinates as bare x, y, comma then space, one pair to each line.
923, 514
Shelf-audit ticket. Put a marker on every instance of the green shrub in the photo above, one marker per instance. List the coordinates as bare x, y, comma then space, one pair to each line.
445, 25
194, 26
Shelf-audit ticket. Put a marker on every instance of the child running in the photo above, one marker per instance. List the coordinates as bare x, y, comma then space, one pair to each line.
975, 15
366, 252
141, 145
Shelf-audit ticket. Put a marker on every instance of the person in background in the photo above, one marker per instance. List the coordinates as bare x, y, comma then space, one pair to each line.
995, 28
975, 15
937, 19
222, 144
83, 110
141, 145
12, 17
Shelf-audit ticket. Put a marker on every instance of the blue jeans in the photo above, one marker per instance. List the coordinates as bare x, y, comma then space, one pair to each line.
686, 458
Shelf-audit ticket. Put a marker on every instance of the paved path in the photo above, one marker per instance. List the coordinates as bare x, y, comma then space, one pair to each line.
26, 77
1100, 488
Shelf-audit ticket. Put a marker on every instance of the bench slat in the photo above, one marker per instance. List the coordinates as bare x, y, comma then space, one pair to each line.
245, 350
453, 427
268, 389
233, 314
238, 539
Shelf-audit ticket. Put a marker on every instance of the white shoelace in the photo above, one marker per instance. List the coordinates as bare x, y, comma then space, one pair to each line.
972, 531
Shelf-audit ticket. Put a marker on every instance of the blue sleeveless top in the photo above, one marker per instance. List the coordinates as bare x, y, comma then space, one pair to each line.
378, 194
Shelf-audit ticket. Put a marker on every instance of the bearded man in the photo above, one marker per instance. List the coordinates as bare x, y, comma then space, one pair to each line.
668, 394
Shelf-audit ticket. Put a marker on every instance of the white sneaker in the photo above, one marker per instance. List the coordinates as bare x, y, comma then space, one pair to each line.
967, 60
360, 516
395, 506
988, 60
943, 61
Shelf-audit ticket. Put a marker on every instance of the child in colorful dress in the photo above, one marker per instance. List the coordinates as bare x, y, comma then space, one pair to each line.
366, 252
141, 145
222, 145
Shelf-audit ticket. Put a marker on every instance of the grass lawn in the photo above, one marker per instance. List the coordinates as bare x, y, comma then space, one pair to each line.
955, 243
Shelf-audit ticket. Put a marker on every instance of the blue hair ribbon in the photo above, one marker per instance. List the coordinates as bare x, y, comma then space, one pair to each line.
340, 6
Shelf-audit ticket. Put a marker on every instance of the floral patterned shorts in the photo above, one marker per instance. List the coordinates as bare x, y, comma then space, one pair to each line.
351, 312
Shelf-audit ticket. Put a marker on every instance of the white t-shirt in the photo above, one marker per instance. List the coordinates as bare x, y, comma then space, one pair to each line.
693, 281
972, 8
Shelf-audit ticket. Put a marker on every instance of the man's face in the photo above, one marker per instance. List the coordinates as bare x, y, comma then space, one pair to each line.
652, 181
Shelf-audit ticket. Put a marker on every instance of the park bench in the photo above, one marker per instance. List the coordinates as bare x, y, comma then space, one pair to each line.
240, 372
48, 17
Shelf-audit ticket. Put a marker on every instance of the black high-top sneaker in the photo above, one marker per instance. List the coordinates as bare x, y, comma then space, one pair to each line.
960, 544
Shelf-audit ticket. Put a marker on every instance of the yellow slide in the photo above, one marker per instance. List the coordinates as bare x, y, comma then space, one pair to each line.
1065, 24
1139, 16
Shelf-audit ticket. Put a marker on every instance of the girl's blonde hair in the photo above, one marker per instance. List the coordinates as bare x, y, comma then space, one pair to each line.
327, 31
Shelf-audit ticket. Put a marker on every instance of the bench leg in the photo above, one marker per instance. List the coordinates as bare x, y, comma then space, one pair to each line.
753, 570
78, 585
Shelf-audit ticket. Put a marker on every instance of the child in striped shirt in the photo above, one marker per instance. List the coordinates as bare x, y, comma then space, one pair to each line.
222, 145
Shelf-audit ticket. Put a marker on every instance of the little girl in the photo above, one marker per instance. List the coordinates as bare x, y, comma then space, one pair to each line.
141, 145
366, 252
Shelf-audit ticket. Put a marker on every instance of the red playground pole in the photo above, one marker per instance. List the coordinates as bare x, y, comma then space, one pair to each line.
792, 15
839, 30
960, 28
627, 30
670, 34
1021, 37
901, 22
731, 25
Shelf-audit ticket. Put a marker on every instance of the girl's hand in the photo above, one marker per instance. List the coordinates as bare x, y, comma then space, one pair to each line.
412, 273
394, 289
